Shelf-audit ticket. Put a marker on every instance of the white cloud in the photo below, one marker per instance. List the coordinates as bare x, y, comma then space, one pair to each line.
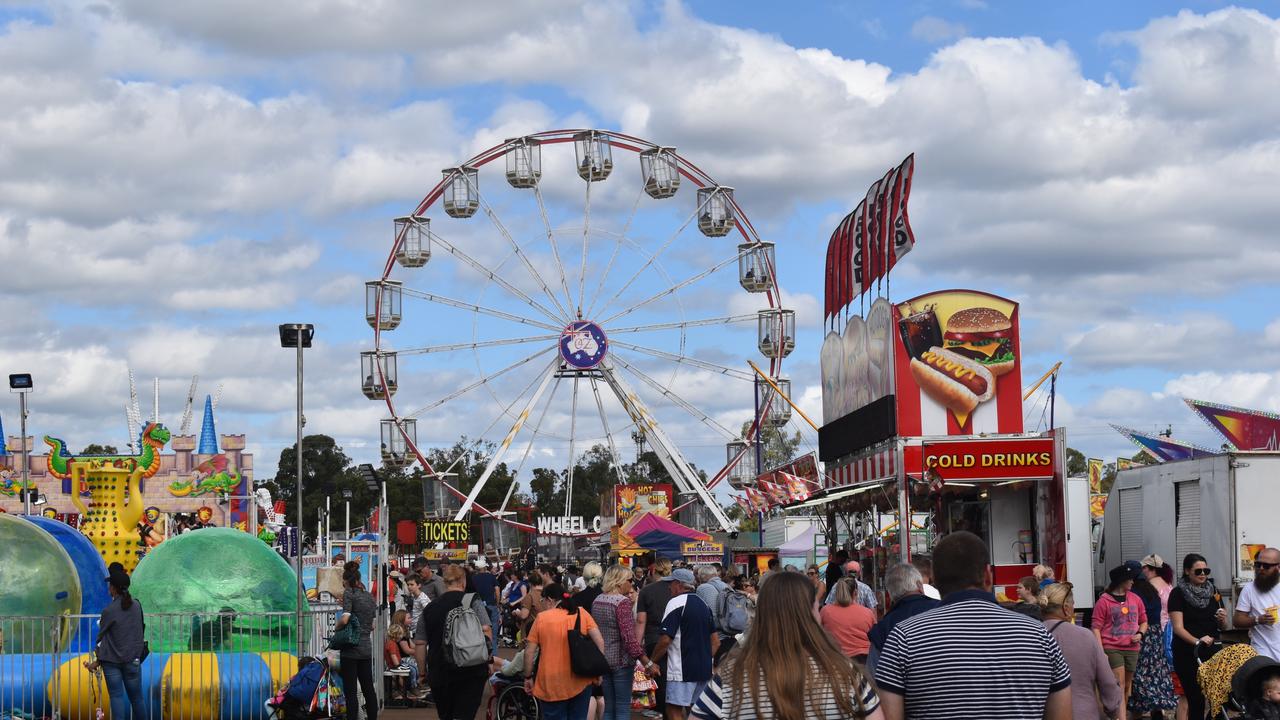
932, 29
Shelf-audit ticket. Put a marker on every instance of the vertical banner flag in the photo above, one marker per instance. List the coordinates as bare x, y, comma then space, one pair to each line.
870, 235
856, 262
903, 238
829, 295
1123, 464
1095, 475
884, 241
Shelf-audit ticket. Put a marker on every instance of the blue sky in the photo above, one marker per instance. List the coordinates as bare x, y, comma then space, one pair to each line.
174, 183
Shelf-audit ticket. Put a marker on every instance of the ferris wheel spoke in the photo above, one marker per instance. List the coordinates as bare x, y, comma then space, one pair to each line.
586, 234
537, 427
551, 238
486, 272
482, 381
494, 459
502, 230
675, 288
654, 256
626, 228
685, 359
475, 345
573, 439
726, 320
463, 305
614, 457
681, 402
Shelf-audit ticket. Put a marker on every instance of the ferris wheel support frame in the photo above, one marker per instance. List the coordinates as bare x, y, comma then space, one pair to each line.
673, 461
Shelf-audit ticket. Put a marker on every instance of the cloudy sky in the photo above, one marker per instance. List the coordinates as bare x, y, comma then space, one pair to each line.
178, 178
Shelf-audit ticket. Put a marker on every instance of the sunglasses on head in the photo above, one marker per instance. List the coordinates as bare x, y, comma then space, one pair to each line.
1265, 565
1201, 571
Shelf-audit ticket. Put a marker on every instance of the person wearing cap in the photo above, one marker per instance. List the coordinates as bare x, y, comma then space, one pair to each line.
121, 648
689, 641
1260, 602
1119, 620
866, 596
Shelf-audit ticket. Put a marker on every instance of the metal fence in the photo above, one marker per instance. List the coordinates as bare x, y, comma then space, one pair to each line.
206, 666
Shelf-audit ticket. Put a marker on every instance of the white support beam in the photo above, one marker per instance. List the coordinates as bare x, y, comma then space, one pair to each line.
506, 442
683, 475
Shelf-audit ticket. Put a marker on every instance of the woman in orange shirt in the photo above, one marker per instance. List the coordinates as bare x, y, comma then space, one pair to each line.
847, 622
560, 693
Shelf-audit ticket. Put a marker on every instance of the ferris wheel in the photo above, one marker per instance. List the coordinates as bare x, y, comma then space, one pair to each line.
560, 314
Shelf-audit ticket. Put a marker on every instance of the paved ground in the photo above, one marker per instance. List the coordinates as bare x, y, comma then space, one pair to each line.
429, 713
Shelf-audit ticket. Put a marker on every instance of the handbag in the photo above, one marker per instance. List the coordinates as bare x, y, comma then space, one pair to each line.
347, 636
585, 659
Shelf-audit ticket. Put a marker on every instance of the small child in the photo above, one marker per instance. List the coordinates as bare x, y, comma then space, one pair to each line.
1267, 706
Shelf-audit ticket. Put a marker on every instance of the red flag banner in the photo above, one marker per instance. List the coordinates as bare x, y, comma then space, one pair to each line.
903, 238
1245, 429
884, 226
870, 231
829, 294
844, 292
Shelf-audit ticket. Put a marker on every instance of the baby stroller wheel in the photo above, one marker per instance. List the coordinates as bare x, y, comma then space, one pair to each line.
516, 704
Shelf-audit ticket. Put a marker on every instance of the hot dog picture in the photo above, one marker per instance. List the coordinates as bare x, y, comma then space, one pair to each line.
952, 380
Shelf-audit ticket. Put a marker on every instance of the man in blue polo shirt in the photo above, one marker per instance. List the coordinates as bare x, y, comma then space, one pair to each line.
689, 640
970, 658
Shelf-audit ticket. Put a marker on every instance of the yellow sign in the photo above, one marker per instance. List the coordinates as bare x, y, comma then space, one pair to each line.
702, 548
1095, 475
458, 554
1097, 505
435, 531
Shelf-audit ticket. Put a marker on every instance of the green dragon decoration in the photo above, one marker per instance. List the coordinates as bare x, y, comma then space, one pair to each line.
154, 437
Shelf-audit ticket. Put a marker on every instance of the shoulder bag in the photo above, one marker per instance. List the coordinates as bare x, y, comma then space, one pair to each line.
585, 659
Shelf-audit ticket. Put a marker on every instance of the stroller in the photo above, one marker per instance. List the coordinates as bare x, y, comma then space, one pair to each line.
313, 692
1246, 688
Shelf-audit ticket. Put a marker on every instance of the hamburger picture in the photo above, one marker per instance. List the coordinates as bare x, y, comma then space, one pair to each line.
984, 335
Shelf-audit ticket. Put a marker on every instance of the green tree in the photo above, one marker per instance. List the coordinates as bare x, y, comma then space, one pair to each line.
96, 449
746, 522
593, 478
326, 472
779, 447
463, 463
1077, 463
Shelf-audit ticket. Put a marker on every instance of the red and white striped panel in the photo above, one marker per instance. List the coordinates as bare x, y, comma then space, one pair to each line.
879, 465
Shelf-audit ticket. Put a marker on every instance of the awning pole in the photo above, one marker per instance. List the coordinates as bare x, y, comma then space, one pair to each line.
904, 509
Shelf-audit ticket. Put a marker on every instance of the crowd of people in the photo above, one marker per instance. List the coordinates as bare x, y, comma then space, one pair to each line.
931, 642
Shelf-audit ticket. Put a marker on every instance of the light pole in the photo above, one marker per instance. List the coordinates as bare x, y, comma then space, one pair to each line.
298, 335
346, 535
22, 384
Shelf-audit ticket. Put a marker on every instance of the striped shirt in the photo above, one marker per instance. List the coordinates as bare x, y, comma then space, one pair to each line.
971, 658
716, 702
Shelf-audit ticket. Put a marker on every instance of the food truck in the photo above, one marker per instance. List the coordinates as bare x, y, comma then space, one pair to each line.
923, 417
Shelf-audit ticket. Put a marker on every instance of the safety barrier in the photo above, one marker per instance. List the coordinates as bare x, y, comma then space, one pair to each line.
204, 666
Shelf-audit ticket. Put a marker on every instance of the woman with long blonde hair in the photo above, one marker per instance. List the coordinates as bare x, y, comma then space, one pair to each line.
787, 667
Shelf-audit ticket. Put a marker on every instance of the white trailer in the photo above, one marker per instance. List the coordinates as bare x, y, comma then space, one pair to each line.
1223, 507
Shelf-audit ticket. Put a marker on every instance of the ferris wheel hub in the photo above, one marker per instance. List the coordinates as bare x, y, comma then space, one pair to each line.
583, 345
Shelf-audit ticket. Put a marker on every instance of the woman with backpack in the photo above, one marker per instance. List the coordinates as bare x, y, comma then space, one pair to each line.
356, 661
614, 613
561, 694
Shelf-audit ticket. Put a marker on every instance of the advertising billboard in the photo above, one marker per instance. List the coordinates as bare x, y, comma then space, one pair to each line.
631, 500
958, 365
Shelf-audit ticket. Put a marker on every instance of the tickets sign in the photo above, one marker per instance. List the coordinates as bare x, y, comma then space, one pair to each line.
1024, 458
444, 531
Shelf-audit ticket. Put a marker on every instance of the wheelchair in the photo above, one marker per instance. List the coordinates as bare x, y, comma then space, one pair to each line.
510, 701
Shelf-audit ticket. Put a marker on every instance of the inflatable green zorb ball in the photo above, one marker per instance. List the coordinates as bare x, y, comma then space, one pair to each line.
38, 584
217, 590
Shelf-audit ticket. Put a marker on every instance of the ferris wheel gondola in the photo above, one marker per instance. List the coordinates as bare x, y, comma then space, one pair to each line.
578, 306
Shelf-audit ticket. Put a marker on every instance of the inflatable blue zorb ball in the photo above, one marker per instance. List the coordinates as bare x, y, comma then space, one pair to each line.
92, 572
38, 583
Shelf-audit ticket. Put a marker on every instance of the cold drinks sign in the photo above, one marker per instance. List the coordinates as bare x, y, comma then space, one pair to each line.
1023, 458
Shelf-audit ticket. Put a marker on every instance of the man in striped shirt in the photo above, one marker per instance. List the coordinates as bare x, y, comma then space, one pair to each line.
970, 658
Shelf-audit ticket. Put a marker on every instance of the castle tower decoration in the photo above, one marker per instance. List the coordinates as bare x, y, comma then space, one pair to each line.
208, 436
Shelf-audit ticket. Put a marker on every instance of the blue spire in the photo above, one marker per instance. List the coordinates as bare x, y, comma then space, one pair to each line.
3, 452
208, 436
